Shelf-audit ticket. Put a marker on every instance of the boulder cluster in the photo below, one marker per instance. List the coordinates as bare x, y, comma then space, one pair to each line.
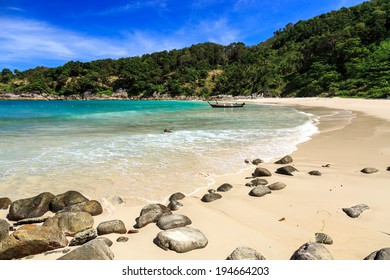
64, 223
47, 222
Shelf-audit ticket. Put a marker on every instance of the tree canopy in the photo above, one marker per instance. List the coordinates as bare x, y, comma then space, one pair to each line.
341, 53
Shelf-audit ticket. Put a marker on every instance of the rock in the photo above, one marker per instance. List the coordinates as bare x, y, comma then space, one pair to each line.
261, 172
173, 221
326, 165
30, 207
167, 130
209, 197
356, 210
70, 222
177, 196
66, 199
276, 186
92, 207
257, 182
105, 240
5, 202
284, 160
245, 253
312, 251
315, 173
116, 200
4, 229
122, 239
259, 191
181, 240
286, 170
132, 231
224, 187
257, 161
212, 191
31, 240
323, 238
151, 213
113, 226
382, 254
83, 237
93, 250
388, 168
369, 170
174, 205
31, 221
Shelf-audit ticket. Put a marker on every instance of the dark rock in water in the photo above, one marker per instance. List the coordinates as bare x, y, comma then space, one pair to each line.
257, 182
66, 199
323, 238
177, 196
257, 161
92, 207
31, 240
4, 229
93, 250
113, 226
116, 200
224, 187
174, 205
259, 191
315, 173
284, 160
122, 239
151, 213
30, 207
83, 237
261, 172
31, 221
369, 170
167, 130
245, 253
276, 186
286, 170
70, 222
5, 202
181, 240
209, 197
312, 251
173, 221
382, 254
356, 210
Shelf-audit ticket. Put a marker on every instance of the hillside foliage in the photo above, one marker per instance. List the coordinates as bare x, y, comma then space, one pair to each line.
341, 53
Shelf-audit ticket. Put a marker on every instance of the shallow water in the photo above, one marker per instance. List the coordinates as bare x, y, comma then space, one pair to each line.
118, 148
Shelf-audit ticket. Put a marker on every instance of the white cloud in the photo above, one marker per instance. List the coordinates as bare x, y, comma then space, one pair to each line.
134, 6
22, 39
218, 31
33, 41
36, 43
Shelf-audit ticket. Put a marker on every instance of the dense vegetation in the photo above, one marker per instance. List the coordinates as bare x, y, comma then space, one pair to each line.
341, 53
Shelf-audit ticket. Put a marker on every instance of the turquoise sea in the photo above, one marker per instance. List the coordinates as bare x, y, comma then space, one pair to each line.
118, 148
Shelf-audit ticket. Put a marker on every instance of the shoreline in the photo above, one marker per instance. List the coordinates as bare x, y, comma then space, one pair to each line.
279, 223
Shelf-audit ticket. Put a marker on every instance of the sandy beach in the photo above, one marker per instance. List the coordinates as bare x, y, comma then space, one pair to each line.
279, 223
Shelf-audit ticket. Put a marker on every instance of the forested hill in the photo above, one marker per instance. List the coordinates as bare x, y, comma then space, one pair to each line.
341, 53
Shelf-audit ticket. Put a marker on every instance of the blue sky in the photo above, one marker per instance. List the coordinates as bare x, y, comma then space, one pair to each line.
50, 33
